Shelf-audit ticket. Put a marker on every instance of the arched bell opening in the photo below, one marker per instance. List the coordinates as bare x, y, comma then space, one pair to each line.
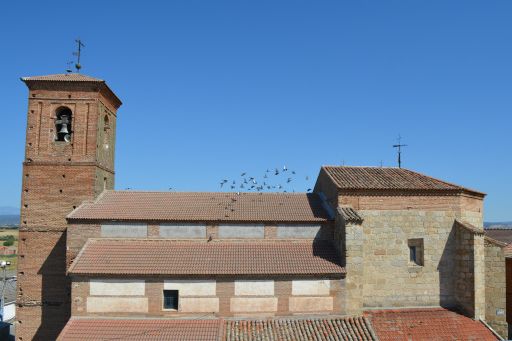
63, 120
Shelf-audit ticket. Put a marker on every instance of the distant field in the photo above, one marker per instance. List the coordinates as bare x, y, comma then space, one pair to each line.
10, 258
6, 232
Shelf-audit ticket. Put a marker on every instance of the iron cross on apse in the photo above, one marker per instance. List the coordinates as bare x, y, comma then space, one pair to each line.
399, 147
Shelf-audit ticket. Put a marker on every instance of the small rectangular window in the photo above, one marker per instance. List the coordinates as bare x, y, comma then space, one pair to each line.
416, 251
413, 255
171, 299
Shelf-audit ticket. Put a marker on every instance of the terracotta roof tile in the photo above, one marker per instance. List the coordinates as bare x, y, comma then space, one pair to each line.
508, 250
172, 206
347, 328
349, 214
169, 257
387, 178
426, 324
503, 235
81, 329
63, 77
469, 227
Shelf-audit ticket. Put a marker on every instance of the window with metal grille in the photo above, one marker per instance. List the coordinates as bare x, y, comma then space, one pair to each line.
171, 299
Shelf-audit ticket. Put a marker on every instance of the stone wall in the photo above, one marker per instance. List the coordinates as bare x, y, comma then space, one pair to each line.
348, 238
495, 287
390, 279
470, 270
209, 296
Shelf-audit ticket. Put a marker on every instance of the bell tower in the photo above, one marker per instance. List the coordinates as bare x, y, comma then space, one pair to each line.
69, 159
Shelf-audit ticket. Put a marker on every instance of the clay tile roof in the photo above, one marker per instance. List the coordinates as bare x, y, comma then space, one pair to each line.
63, 77
501, 234
427, 324
82, 329
347, 328
203, 206
170, 257
508, 250
349, 214
388, 178
469, 227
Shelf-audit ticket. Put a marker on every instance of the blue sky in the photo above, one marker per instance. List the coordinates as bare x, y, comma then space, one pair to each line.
212, 89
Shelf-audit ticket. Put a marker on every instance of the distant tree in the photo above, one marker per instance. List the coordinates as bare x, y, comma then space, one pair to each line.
9, 242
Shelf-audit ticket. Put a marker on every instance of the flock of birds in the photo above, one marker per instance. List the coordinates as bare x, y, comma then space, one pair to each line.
273, 180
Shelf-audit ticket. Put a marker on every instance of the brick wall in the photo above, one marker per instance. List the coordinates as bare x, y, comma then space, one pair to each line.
287, 302
57, 177
78, 233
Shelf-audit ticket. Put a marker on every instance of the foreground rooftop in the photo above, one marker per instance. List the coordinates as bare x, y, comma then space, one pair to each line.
403, 324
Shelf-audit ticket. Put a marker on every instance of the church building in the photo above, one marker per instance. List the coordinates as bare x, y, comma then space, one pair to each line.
373, 253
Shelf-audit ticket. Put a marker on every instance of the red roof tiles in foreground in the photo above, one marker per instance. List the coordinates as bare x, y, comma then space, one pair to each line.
85, 329
346, 328
388, 178
426, 324
205, 206
169, 257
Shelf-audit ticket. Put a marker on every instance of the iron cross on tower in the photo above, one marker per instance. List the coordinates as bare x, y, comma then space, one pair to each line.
77, 54
399, 147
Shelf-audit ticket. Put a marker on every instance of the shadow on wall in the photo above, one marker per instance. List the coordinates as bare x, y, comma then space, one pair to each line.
56, 293
456, 282
446, 270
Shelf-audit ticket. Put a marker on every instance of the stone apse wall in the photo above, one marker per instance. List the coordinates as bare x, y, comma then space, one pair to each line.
389, 223
495, 287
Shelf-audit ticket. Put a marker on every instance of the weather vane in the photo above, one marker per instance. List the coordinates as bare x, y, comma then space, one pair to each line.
399, 147
79, 43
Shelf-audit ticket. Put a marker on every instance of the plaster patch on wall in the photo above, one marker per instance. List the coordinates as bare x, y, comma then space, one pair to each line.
182, 230
242, 231
125, 230
254, 288
298, 231
116, 287
253, 304
310, 304
192, 287
199, 305
117, 305
311, 287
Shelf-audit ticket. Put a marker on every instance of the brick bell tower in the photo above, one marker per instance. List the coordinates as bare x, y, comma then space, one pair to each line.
69, 158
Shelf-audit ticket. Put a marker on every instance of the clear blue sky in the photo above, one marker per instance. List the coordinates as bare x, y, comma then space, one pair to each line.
214, 88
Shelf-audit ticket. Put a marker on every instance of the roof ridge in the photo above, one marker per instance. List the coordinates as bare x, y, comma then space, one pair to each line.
443, 181
359, 166
209, 192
